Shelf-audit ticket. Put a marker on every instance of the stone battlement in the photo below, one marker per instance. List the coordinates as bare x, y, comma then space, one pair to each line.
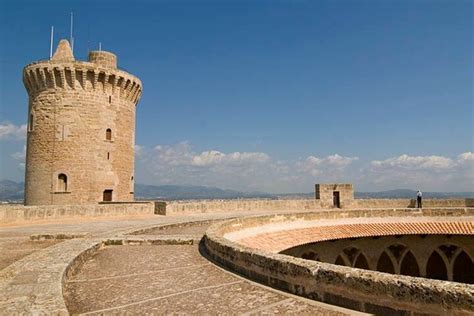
81, 75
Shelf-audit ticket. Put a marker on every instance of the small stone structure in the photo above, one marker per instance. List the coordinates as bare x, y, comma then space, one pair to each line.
336, 195
81, 129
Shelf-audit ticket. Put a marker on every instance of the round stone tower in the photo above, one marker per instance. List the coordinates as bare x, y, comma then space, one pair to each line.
81, 129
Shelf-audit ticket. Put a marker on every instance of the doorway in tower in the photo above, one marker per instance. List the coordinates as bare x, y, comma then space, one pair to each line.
107, 195
336, 199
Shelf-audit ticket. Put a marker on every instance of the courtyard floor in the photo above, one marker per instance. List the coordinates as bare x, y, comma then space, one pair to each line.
141, 278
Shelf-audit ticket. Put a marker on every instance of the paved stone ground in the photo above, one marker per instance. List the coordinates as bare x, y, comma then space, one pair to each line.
15, 248
131, 279
172, 279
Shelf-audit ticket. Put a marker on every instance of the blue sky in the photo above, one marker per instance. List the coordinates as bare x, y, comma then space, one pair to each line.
271, 95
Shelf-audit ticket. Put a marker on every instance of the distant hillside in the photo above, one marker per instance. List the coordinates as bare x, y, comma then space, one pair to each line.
191, 192
13, 192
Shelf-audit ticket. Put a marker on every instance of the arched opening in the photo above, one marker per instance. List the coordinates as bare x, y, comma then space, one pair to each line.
463, 269
361, 262
62, 183
385, 264
309, 255
340, 261
409, 265
108, 134
436, 268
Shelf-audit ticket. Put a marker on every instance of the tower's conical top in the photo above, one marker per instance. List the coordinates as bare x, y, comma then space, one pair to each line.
63, 52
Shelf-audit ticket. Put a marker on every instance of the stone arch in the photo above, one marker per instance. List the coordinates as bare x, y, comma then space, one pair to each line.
350, 253
385, 264
341, 260
463, 268
310, 255
361, 262
409, 265
398, 251
436, 267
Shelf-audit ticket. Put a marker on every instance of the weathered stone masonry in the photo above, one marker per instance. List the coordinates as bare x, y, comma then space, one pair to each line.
81, 129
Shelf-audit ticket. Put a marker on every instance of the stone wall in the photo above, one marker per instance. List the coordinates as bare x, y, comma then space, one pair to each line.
17, 214
211, 206
72, 105
403, 203
363, 290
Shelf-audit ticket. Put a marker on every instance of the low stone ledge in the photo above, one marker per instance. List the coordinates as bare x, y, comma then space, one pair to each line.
364, 290
153, 240
57, 236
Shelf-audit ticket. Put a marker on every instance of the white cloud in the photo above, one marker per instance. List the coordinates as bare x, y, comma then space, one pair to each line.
317, 166
139, 151
415, 163
12, 131
20, 155
467, 157
182, 164
428, 172
214, 157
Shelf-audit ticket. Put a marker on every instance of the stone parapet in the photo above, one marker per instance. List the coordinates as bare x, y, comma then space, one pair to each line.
17, 214
211, 206
243, 205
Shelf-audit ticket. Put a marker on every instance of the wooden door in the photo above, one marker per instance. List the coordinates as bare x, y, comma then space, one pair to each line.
107, 195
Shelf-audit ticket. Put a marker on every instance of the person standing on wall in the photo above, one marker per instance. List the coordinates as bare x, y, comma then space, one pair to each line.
419, 196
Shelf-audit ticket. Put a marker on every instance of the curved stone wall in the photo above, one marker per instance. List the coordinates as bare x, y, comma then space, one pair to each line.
364, 290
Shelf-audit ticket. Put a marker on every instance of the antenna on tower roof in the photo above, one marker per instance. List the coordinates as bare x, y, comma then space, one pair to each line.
51, 42
71, 37
100, 46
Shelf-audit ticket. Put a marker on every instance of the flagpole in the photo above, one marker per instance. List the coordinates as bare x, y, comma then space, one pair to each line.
51, 43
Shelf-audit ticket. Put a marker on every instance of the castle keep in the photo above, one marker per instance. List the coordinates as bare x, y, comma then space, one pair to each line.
81, 129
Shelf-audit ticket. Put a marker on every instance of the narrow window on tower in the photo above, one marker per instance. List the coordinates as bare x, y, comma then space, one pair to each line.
62, 183
131, 185
108, 134
31, 122
110, 99
108, 156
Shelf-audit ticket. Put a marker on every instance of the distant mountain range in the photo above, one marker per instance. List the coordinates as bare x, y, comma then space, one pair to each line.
187, 192
13, 192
